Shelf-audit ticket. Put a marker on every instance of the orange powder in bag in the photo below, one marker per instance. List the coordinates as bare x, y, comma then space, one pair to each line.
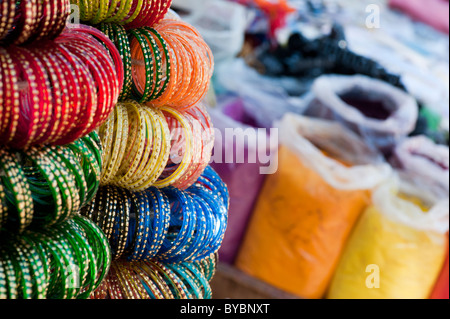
299, 228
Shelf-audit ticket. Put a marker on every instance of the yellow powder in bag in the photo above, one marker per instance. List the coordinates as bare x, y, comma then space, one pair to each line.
387, 260
298, 229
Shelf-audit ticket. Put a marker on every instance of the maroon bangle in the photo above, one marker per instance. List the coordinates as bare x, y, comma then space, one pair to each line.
45, 14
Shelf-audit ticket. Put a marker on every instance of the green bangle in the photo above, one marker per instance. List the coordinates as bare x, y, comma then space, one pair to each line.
158, 74
3, 283
17, 191
22, 273
38, 278
167, 60
92, 271
11, 279
149, 67
74, 167
123, 45
100, 244
67, 185
43, 265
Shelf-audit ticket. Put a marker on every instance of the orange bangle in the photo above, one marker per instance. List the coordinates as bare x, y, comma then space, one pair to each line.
186, 55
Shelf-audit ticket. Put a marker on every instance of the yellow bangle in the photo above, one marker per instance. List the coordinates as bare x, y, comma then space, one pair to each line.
116, 150
122, 135
143, 158
106, 133
135, 146
187, 156
147, 176
101, 12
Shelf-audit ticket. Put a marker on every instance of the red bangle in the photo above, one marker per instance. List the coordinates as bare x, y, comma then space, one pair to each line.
45, 98
58, 91
8, 10
25, 21
150, 18
87, 96
11, 98
102, 38
151, 13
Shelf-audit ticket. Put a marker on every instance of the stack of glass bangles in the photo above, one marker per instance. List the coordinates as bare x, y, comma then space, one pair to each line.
132, 13
66, 261
167, 65
43, 186
23, 21
145, 146
166, 224
58, 91
156, 280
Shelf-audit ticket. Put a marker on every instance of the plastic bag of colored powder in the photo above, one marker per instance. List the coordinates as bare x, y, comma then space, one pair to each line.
241, 172
422, 162
397, 248
307, 209
379, 112
441, 288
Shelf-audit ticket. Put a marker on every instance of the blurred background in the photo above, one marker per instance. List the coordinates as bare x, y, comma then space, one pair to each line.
358, 92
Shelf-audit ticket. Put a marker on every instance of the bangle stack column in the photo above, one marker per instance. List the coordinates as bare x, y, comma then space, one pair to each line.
162, 208
57, 85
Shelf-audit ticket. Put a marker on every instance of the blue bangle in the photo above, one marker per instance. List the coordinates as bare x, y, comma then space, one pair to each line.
160, 222
182, 224
141, 221
201, 232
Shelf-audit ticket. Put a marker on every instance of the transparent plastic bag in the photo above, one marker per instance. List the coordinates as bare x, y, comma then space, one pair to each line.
243, 177
397, 248
307, 209
221, 23
377, 111
266, 98
441, 289
309, 137
421, 162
